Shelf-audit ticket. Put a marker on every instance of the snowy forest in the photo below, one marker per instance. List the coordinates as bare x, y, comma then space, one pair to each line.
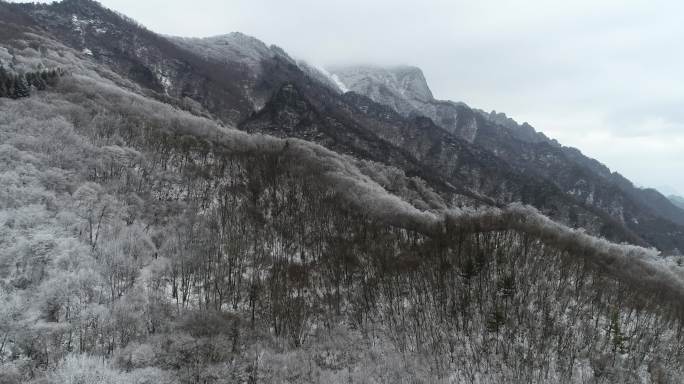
141, 243
20, 85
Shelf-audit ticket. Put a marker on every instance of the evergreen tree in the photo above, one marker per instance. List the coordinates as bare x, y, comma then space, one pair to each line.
616, 333
17, 86
10, 83
35, 79
21, 87
3, 82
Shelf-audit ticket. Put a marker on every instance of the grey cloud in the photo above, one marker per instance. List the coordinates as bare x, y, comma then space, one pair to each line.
634, 119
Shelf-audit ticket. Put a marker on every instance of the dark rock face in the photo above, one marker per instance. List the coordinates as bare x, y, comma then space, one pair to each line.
468, 156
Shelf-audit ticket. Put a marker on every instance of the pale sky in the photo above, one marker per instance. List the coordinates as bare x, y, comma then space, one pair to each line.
603, 76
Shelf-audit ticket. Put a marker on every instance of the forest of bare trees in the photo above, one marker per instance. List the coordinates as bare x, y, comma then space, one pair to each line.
141, 244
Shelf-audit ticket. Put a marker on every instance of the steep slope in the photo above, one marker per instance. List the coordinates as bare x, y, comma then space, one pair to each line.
406, 90
231, 77
646, 212
151, 61
366, 129
402, 88
143, 244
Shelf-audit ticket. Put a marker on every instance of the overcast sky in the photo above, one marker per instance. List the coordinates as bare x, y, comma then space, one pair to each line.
604, 76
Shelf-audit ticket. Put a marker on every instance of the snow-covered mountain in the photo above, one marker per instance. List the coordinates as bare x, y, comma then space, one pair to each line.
405, 89
212, 211
234, 48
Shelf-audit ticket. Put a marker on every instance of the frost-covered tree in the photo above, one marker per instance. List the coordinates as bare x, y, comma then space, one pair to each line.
140, 243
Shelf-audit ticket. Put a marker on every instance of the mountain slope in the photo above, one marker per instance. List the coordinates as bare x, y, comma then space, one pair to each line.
368, 130
644, 211
152, 61
233, 76
142, 243
406, 90
678, 201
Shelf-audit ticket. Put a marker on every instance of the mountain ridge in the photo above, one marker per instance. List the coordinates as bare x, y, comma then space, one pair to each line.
517, 144
177, 231
219, 79
409, 85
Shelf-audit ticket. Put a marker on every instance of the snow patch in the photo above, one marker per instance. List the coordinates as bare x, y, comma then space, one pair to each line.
76, 22
5, 56
339, 83
166, 81
87, 51
332, 77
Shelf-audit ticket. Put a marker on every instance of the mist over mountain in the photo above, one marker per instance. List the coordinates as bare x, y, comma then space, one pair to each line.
677, 200
214, 210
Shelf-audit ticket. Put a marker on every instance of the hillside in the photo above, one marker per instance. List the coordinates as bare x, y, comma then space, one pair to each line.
170, 217
233, 76
677, 200
643, 211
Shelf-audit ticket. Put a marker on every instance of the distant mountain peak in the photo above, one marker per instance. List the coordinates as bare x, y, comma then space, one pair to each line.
412, 82
405, 89
81, 2
404, 84
234, 47
235, 38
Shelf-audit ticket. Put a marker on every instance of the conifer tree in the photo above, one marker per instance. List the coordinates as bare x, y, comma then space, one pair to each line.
35, 79
3, 82
21, 87
10, 82
616, 333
